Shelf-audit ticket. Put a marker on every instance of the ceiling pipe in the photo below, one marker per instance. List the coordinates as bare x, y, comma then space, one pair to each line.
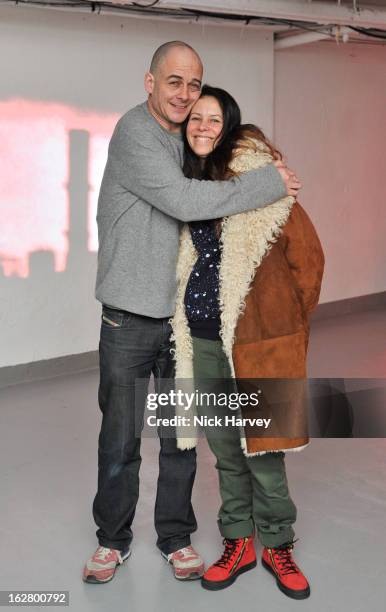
300, 39
337, 33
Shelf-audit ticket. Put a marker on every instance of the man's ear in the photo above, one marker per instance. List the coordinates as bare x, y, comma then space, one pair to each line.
149, 82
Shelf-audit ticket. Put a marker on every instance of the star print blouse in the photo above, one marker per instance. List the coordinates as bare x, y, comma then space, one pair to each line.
201, 297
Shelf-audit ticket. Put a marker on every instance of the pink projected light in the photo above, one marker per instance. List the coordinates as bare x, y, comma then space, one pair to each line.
39, 183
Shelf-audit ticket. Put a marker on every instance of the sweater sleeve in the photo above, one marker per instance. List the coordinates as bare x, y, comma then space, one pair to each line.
143, 166
304, 255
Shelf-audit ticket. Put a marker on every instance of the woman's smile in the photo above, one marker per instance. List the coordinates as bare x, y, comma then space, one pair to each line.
205, 126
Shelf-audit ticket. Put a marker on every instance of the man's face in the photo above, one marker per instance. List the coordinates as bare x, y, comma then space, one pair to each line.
174, 88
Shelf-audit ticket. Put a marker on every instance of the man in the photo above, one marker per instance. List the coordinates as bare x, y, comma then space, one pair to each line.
143, 197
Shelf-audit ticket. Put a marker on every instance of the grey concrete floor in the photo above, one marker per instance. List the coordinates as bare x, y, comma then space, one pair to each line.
48, 456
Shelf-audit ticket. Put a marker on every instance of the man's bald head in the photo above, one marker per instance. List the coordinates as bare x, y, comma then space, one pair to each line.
173, 83
161, 53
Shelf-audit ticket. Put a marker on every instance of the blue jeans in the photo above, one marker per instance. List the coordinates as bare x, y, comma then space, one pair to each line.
131, 348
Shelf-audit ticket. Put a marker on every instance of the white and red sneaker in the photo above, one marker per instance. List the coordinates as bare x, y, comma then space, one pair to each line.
102, 565
186, 562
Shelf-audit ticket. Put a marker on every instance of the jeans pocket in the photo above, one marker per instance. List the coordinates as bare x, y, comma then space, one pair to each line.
113, 319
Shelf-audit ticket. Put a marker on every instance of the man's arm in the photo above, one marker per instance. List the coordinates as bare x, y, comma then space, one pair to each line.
142, 164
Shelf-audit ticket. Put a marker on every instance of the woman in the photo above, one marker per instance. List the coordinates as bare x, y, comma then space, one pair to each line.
246, 286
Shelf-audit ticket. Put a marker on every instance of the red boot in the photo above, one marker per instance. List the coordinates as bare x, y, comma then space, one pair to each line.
289, 578
238, 557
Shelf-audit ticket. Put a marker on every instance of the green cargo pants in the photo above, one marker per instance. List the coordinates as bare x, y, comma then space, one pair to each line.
254, 490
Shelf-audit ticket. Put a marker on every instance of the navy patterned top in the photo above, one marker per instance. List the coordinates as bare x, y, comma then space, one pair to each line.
201, 297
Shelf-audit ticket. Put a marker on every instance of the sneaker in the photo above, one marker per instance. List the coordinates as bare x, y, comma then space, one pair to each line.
186, 562
238, 557
289, 578
102, 565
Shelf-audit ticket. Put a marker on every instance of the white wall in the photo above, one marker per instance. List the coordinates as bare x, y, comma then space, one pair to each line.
330, 121
96, 64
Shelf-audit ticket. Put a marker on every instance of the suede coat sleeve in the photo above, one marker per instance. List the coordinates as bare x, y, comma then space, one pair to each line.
305, 257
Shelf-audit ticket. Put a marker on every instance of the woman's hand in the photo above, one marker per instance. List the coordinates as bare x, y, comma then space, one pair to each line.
290, 179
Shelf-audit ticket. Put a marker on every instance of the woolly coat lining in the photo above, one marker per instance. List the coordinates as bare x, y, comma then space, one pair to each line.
245, 240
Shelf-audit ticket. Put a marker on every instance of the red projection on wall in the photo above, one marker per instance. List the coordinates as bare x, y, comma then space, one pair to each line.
52, 161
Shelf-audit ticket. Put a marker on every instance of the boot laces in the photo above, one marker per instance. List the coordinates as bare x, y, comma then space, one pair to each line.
229, 552
284, 559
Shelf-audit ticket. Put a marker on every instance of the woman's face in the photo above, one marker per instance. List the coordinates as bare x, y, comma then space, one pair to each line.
204, 126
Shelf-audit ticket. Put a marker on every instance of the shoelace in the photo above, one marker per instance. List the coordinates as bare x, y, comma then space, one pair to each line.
283, 556
230, 549
102, 553
185, 552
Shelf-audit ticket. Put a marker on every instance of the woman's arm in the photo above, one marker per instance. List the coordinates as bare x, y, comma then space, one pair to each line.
301, 243
304, 255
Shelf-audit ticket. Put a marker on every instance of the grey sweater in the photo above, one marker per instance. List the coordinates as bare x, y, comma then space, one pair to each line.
144, 197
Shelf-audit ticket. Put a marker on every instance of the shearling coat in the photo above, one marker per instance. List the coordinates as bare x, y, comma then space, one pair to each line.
270, 279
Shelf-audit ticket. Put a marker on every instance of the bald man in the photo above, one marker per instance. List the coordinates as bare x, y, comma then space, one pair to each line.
144, 197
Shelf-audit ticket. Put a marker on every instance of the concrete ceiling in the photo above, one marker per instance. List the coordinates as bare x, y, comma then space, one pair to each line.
281, 16
359, 3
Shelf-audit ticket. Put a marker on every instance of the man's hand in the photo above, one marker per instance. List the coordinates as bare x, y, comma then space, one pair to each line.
291, 180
